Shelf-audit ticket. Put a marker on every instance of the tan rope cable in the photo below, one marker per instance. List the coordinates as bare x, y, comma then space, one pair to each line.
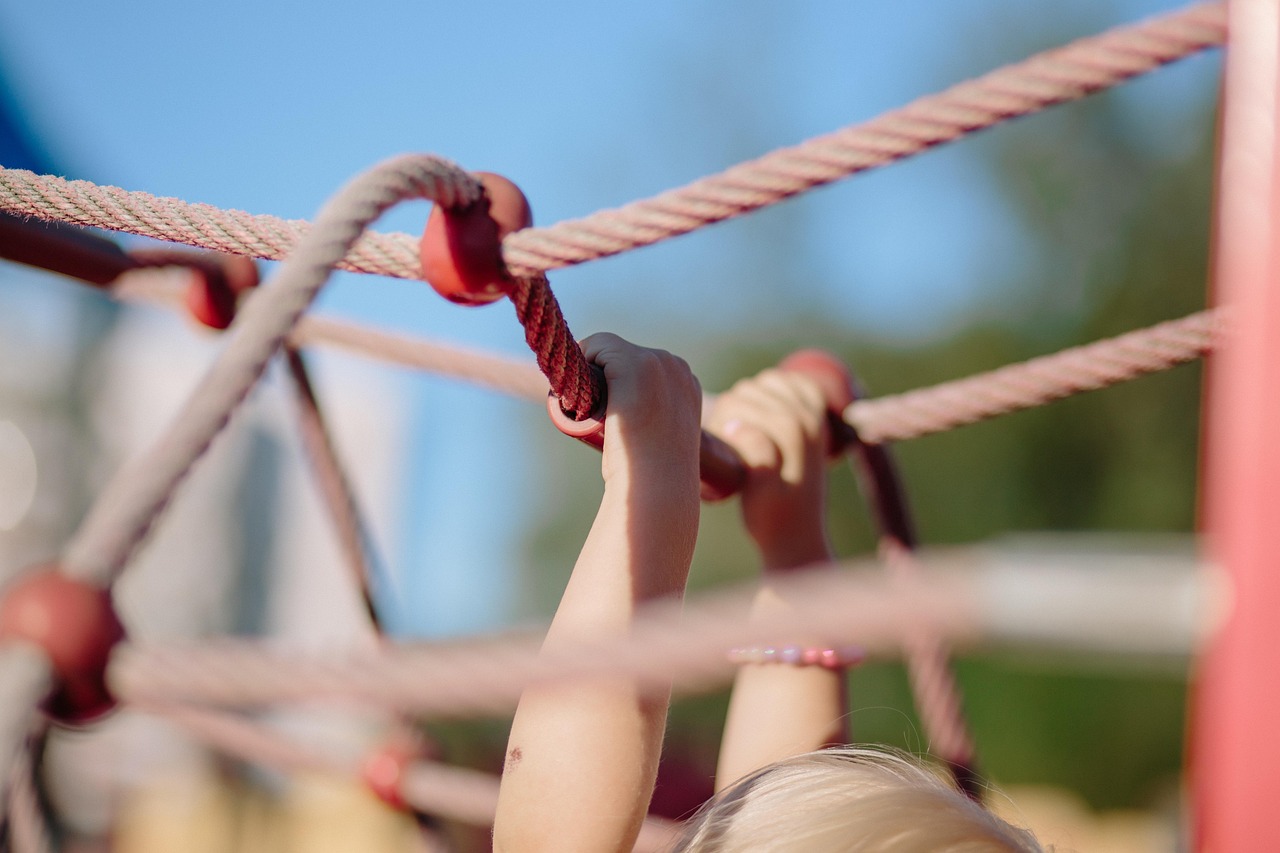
1067, 73
501, 373
27, 678
134, 498
896, 417
28, 831
332, 484
446, 791
1053, 77
1059, 605
1036, 382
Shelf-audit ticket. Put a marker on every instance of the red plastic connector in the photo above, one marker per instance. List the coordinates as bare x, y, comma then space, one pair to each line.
461, 249
385, 768
214, 294
76, 625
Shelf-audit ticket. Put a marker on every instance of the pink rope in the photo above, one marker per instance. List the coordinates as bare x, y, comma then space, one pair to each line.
683, 648
1036, 382
669, 647
1065, 74
331, 483
28, 831
136, 496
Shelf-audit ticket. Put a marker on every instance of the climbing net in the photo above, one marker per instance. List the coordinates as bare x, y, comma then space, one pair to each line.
912, 610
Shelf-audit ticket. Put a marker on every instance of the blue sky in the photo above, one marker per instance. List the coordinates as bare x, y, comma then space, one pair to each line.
269, 106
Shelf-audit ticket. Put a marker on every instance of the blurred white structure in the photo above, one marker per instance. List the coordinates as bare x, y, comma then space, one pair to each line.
246, 546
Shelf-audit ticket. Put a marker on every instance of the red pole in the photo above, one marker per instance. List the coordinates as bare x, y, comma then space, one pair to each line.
1235, 735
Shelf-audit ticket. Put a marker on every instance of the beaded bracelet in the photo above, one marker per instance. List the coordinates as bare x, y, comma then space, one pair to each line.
841, 658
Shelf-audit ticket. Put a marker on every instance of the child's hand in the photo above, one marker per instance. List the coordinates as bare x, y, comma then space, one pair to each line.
777, 421
653, 420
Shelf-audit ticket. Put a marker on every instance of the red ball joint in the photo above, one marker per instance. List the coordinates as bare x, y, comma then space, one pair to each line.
76, 626
461, 249
214, 292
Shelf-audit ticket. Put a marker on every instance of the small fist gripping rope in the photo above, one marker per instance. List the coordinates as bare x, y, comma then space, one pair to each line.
461, 254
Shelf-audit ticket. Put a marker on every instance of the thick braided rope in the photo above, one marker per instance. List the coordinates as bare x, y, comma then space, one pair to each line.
138, 493
455, 793
937, 695
332, 484
579, 388
933, 685
26, 678
1036, 382
1067, 73
28, 831
897, 417
1141, 611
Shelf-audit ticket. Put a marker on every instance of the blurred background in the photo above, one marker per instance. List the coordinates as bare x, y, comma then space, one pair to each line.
1083, 222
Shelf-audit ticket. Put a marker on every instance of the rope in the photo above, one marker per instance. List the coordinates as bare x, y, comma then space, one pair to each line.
1038, 381
896, 417
138, 493
332, 483
28, 830
26, 678
1067, 73
1059, 604
506, 375
580, 389
933, 684
429, 787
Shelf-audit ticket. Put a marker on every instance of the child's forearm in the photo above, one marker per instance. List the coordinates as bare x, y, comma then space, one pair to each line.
777, 709
583, 756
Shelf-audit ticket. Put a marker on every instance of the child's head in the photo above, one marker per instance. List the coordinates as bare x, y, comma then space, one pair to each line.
851, 800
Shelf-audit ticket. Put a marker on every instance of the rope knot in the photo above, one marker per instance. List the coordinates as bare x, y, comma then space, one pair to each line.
76, 626
461, 248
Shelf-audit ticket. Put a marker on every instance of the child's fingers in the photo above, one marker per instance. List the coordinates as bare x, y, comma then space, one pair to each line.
757, 450
800, 397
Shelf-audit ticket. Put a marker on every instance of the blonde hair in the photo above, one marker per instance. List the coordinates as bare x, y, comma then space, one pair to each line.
849, 800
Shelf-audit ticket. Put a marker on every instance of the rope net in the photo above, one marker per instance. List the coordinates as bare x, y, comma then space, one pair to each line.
486, 676
1068, 73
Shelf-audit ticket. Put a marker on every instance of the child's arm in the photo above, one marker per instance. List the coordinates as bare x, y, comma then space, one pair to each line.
777, 423
582, 757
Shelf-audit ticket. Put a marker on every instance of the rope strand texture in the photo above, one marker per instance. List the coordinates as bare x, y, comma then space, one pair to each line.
136, 496
1036, 382
1060, 75
1056, 603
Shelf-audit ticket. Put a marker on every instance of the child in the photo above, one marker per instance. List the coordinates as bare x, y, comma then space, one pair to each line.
582, 758
776, 793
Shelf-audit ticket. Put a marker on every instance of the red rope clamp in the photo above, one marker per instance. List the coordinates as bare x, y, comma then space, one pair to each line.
76, 625
461, 254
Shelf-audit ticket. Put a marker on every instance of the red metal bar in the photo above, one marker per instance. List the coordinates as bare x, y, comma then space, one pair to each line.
1235, 734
